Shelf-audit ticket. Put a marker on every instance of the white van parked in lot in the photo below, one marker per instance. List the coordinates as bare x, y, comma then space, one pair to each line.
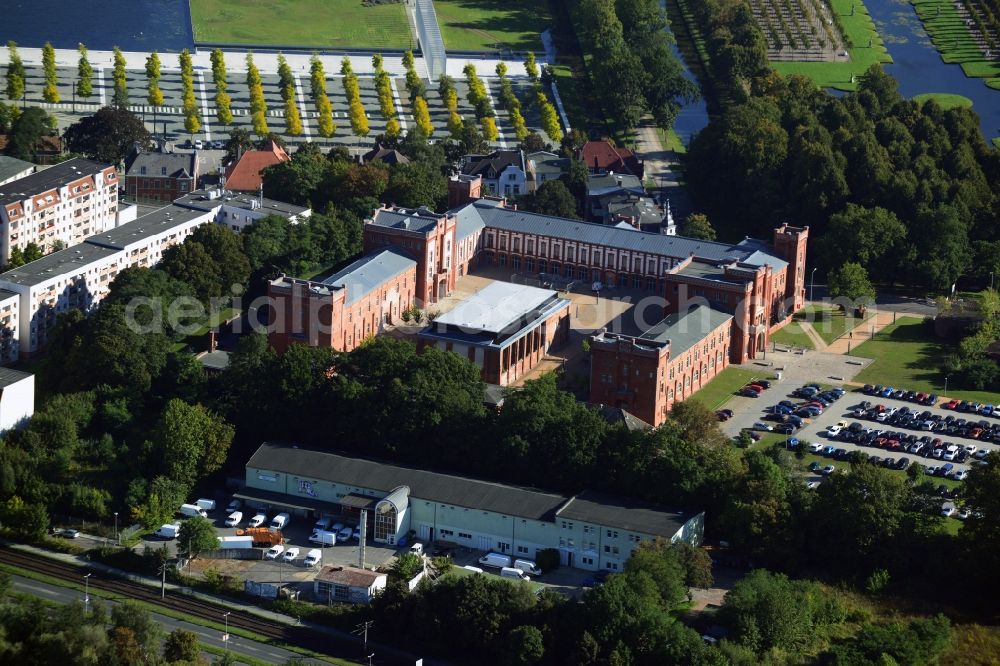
495, 560
192, 510
206, 504
313, 557
280, 521
169, 531
528, 567
516, 574
324, 538
234, 519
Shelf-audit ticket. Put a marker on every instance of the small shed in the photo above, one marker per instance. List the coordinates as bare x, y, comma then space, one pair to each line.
348, 584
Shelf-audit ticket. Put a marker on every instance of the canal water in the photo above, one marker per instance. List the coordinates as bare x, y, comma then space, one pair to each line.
918, 67
132, 25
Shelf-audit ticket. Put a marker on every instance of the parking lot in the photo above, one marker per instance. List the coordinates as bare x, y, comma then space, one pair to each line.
816, 430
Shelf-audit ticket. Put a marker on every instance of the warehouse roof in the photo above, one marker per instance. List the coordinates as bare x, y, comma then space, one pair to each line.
49, 179
425, 485
369, 272
173, 165
11, 166
623, 513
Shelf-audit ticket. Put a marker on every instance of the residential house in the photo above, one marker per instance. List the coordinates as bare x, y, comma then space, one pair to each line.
604, 157
244, 173
504, 172
161, 176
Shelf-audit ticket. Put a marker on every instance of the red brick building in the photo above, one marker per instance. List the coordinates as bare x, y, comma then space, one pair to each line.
444, 244
346, 308
505, 329
647, 374
157, 176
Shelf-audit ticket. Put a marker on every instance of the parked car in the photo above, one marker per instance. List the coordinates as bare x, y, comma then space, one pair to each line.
69, 533
815, 447
274, 551
760, 425
749, 393
947, 511
828, 470
345, 534
290, 555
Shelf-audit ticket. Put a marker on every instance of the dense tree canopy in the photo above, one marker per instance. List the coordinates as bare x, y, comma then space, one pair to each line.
108, 135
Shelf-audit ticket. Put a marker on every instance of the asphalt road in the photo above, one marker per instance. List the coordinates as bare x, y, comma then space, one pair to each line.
237, 644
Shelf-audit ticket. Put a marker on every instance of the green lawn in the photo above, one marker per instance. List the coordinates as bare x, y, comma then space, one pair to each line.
793, 336
670, 140
945, 100
326, 23
951, 37
714, 394
487, 25
829, 322
859, 29
907, 355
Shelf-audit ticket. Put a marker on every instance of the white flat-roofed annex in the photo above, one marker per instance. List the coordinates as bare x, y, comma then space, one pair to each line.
495, 308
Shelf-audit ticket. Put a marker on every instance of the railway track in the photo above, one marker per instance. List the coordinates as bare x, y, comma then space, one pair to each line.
301, 636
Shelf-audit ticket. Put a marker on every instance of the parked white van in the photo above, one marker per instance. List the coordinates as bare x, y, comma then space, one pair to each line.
511, 572
528, 567
280, 521
324, 538
322, 524
206, 504
169, 531
313, 557
234, 519
259, 519
495, 560
192, 510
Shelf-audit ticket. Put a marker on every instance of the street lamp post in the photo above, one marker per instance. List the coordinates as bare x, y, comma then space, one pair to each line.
946, 384
225, 636
812, 281
991, 280
86, 593
117, 542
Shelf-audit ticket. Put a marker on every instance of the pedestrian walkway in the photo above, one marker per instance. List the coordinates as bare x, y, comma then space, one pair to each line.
819, 344
863, 331
267, 62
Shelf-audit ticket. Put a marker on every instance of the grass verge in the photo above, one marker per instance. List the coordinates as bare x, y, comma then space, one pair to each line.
945, 100
168, 612
829, 322
486, 25
326, 23
868, 49
793, 335
670, 140
722, 387
907, 356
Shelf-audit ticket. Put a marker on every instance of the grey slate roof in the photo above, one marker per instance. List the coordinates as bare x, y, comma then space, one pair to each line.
163, 165
160, 220
490, 166
9, 376
418, 220
607, 183
64, 262
467, 222
369, 272
679, 247
11, 166
49, 179
424, 485
623, 513
760, 258
549, 163
686, 329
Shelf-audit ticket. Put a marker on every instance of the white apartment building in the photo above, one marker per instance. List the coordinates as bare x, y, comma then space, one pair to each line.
17, 398
9, 338
67, 203
78, 277
238, 211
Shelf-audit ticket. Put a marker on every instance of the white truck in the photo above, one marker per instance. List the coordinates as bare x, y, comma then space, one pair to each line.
206, 504
169, 531
528, 567
313, 557
192, 510
280, 521
516, 574
324, 538
235, 542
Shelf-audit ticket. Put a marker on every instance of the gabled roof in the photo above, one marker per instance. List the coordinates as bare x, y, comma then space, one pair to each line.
11, 166
367, 273
601, 155
490, 166
623, 513
626, 418
498, 217
349, 576
164, 165
49, 179
683, 330
419, 220
243, 175
385, 155
546, 162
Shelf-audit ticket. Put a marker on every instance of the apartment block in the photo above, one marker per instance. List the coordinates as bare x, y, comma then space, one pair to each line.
64, 204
